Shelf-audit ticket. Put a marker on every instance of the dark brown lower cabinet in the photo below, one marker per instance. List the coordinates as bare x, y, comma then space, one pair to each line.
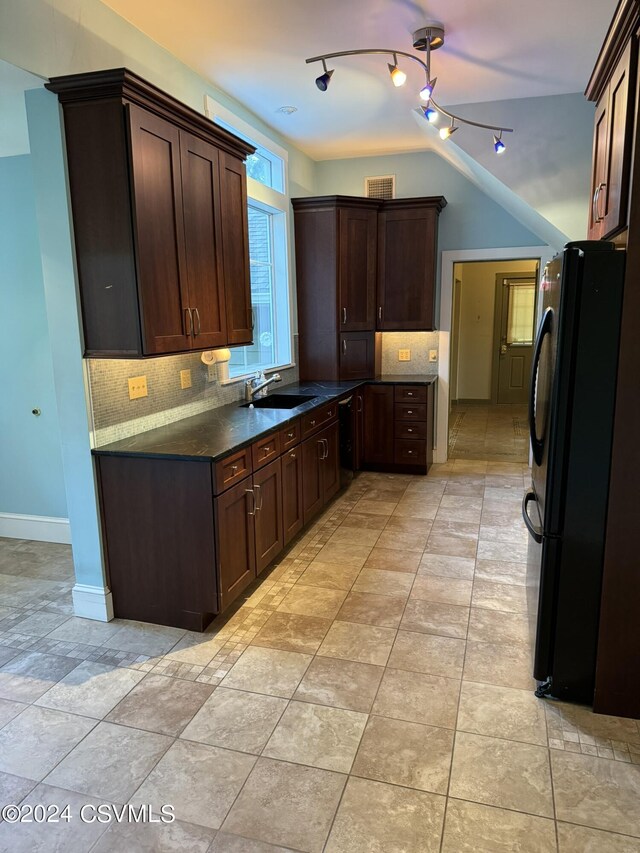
320, 470
235, 512
331, 462
292, 511
398, 427
378, 425
267, 487
358, 428
157, 520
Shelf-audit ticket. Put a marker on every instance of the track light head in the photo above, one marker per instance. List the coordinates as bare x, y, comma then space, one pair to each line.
322, 82
445, 132
430, 114
427, 90
398, 76
498, 145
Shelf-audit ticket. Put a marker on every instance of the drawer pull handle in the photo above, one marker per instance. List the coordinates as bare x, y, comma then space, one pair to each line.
410, 452
267, 449
292, 455
313, 423
330, 413
251, 511
409, 393
234, 468
409, 429
290, 435
409, 411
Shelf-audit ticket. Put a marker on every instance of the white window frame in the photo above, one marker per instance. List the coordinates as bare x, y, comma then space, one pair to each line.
275, 202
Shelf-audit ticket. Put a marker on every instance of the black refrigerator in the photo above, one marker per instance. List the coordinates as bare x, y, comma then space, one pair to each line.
571, 410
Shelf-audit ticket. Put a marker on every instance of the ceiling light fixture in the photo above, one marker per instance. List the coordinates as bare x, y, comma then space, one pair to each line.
427, 38
287, 110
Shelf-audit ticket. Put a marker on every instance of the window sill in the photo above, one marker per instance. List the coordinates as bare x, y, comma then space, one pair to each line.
233, 379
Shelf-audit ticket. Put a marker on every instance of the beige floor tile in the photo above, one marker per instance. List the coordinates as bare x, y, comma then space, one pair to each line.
381, 582
235, 719
443, 590
382, 610
385, 492
459, 514
292, 631
454, 487
270, 671
492, 549
502, 773
441, 565
160, 704
340, 683
367, 506
143, 638
317, 735
418, 698
287, 804
38, 624
227, 843
9, 710
408, 754
581, 719
414, 541
27, 676
74, 836
580, 839
363, 643
473, 828
35, 741
394, 560
344, 554
499, 663
452, 546
13, 789
596, 792
428, 653
313, 601
176, 837
498, 571
445, 526
495, 626
452, 502
7, 654
364, 521
200, 781
91, 689
378, 818
503, 712
195, 649
431, 617
510, 598
89, 631
329, 575
409, 526
364, 536
417, 510
110, 762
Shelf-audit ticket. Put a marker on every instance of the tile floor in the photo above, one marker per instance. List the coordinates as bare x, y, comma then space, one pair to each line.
491, 432
371, 694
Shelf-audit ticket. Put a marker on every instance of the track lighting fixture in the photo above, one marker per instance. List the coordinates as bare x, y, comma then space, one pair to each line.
427, 38
322, 82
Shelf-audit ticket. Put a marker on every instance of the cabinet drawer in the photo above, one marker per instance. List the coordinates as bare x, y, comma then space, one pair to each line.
410, 452
321, 416
410, 394
411, 429
410, 411
290, 435
265, 450
231, 470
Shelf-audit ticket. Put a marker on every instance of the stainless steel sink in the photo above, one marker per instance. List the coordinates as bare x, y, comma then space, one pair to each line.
280, 401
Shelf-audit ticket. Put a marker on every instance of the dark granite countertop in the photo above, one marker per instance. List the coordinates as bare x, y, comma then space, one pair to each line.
216, 433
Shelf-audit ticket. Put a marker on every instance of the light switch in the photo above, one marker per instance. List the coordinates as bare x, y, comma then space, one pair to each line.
185, 378
404, 355
433, 355
137, 387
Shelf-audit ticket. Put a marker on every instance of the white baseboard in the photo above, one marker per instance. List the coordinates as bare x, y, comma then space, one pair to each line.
41, 528
92, 602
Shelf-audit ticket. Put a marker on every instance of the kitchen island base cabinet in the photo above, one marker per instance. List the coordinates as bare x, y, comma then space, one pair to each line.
158, 535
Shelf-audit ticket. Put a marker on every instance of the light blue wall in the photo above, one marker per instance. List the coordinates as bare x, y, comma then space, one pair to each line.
32, 481
471, 219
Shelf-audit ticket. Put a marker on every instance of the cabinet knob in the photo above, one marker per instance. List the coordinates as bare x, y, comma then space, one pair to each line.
234, 468
409, 411
313, 423
292, 455
409, 429
267, 449
290, 435
409, 393
410, 452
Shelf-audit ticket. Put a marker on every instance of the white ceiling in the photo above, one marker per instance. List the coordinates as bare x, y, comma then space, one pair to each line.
255, 51
14, 136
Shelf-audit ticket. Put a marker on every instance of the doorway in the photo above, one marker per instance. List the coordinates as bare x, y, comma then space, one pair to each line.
492, 328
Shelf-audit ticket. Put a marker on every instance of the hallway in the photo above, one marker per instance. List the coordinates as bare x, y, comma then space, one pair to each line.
497, 433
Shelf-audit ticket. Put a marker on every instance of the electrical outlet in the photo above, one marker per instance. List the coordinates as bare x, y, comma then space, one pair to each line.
137, 387
185, 378
404, 355
433, 355
212, 372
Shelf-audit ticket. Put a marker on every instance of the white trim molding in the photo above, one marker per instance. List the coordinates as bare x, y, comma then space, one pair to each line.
41, 528
542, 253
92, 602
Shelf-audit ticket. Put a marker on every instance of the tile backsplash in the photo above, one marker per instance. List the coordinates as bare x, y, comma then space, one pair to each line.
419, 343
115, 416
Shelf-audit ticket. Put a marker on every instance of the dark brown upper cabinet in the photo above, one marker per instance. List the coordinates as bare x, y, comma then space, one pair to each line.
407, 242
158, 195
336, 250
612, 86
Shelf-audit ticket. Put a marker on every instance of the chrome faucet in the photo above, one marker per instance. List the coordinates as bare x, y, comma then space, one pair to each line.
257, 385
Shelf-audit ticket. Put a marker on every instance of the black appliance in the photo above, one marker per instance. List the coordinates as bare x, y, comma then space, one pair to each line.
571, 411
345, 422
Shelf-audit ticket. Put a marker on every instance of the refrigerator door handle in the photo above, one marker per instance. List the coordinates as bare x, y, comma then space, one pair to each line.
537, 443
535, 532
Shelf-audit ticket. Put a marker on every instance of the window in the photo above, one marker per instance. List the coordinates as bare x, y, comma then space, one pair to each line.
522, 300
268, 249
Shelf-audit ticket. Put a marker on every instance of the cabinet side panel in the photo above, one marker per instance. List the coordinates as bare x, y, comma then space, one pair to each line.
235, 249
158, 522
101, 205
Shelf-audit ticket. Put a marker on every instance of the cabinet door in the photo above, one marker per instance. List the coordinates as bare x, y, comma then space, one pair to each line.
358, 429
292, 509
312, 495
357, 355
201, 203
378, 425
357, 269
235, 249
267, 485
331, 462
612, 202
406, 269
159, 232
235, 537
